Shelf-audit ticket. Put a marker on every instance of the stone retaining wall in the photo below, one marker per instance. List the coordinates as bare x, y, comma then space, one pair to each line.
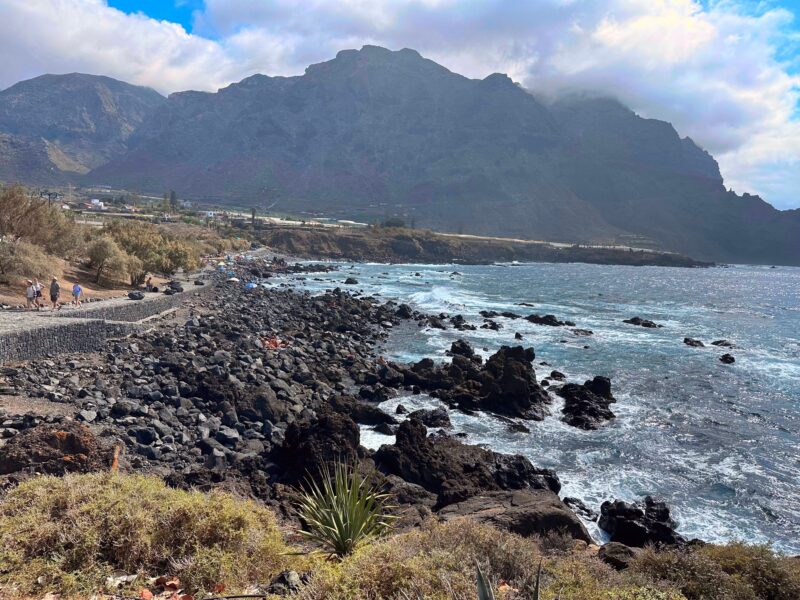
84, 335
124, 309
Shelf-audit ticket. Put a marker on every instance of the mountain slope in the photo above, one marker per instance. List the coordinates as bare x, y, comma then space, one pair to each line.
375, 133
57, 125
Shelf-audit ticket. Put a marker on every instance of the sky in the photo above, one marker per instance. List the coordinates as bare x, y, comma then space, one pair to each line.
725, 72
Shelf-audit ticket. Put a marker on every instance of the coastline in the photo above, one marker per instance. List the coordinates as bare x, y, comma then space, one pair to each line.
250, 390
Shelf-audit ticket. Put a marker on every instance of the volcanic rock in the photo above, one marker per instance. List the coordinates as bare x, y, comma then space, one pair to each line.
329, 438
435, 417
455, 471
631, 525
524, 512
587, 406
617, 555
54, 449
642, 322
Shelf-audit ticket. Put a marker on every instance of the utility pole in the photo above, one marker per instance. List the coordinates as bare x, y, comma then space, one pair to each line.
49, 195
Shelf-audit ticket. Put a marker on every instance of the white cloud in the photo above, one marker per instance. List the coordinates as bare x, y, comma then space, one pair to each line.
714, 72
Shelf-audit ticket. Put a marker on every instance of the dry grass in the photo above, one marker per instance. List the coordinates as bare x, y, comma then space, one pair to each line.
68, 534
731, 572
438, 562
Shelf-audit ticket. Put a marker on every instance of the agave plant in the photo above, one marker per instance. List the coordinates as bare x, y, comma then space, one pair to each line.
484, 587
342, 508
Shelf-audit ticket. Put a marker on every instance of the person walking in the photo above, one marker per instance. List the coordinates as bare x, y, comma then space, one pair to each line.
77, 290
148, 286
37, 299
55, 292
30, 295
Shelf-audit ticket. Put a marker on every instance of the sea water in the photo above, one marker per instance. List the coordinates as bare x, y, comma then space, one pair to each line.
720, 443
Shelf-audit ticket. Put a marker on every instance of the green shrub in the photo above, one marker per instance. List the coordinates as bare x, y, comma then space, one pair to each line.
158, 250
342, 509
770, 576
68, 534
108, 259
23, 259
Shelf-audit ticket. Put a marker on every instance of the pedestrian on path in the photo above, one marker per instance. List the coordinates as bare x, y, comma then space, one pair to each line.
37, 300
77, 290
30, 295
55, 292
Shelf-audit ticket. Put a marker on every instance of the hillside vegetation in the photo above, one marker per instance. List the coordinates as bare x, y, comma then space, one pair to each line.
69, 535
36, 239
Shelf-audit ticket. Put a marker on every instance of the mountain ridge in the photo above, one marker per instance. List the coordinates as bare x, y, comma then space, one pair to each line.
74, 122
373, 133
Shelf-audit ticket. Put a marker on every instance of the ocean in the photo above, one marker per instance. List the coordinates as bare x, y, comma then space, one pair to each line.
719, 443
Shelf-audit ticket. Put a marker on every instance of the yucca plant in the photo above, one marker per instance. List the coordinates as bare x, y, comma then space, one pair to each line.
342, 508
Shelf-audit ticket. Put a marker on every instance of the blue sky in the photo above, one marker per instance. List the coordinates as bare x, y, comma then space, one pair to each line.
724, 72
177, 11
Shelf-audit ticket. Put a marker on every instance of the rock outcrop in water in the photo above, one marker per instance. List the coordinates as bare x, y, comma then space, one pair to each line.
587, 406
637, 526
642, 322
505, 385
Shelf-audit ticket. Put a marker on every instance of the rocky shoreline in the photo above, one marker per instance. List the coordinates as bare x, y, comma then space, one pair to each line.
254, 389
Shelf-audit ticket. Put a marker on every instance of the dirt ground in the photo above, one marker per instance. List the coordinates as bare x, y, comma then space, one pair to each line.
67, 273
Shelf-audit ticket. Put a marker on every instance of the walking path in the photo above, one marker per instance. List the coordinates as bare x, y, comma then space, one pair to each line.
31, 334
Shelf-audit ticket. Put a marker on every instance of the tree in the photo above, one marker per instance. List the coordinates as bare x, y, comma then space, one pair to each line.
173, 200
106, 256
253, 216
165, 203
21, 216
394, 222
136, 271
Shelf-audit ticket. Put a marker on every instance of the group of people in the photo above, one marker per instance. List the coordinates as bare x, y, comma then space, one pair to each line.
34, 296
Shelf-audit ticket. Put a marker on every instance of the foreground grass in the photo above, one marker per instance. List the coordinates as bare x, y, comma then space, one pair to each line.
67, 535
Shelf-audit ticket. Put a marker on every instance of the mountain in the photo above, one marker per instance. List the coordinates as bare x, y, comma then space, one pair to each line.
375, 133
54, 126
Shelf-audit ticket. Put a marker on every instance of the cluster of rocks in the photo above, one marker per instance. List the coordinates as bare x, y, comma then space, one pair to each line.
505, 385
587, 406
726, 358
691, 342
634, 525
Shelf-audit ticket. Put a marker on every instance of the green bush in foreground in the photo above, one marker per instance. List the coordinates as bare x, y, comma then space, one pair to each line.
342, 510
68, 534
